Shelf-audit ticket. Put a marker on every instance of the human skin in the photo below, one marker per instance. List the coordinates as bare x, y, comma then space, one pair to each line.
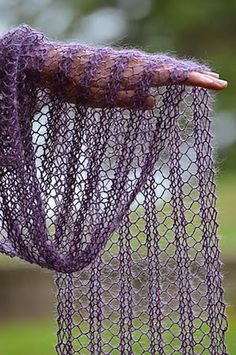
125, 96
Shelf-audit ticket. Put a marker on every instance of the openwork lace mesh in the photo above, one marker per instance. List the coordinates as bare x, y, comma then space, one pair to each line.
119, 202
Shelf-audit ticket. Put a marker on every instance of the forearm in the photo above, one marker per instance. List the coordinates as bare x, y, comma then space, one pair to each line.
107, 77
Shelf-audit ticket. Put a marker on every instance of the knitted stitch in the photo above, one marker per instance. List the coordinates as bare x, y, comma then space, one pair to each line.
119, 202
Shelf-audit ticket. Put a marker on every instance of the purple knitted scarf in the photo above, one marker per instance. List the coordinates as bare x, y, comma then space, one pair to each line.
119, 202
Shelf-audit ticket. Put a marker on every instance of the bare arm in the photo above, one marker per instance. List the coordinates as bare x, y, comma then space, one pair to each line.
125, 95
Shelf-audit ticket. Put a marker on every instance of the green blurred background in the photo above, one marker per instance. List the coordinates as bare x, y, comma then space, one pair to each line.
204, 29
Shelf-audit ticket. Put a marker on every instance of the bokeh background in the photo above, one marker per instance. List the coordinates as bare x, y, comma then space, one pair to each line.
204, 29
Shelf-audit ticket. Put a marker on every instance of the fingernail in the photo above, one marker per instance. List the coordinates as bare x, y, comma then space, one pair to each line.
222, 83
212, 74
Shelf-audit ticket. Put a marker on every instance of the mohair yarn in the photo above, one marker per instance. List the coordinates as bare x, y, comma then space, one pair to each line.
119, 202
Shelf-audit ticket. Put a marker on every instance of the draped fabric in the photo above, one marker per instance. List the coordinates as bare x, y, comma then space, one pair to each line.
118, 201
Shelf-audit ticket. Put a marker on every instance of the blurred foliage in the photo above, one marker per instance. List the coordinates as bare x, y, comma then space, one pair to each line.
226, 192
227, 160
200, 28
37, 338
203, 29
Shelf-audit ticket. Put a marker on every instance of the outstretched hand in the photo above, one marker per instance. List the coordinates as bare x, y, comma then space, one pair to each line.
208, 80
126, 95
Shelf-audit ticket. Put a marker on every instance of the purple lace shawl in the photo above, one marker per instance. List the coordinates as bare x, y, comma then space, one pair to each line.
119, 202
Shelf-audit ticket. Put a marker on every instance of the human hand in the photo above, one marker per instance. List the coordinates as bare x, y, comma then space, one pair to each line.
125, 95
